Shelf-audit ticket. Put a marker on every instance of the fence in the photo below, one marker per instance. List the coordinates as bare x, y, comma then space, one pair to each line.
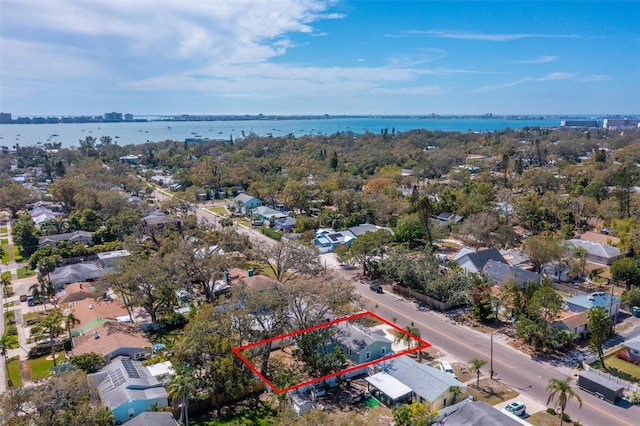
614, 379
433, 303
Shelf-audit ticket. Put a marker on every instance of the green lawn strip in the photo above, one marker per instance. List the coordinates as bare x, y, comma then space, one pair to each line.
619, 368
40, 366
4, 242
542, 418
5, 255
17, 256
3, 229
218, 210
25, 272
14, 372
261, 415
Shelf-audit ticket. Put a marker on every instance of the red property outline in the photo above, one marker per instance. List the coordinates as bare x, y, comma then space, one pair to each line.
239, 349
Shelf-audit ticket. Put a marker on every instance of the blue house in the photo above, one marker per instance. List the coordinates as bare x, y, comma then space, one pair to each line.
327, 241
285, 224
585, 302
128, 389
246, 203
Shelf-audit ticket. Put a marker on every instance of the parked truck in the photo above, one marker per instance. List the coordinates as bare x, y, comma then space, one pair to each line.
600, 386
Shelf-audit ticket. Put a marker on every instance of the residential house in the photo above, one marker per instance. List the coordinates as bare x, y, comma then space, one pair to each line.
239, 277
327, 242
425, 382
113, 339
111, 258
446, 218
362, 345
577, 323
366, 228
475, 262
82, 237
267, 214
78, 272
162, 180
151, 418
602, 254
515, 257
501, 273
478, 413
285, 224
633, 348
127, 389
158, 219
246, 203
74, 293
585, 302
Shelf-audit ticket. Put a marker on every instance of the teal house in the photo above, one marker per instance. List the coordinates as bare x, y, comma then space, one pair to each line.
360, 344
127, 388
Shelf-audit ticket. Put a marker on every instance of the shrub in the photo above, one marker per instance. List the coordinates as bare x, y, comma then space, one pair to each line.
271, 233
551, 411
635, 398
566, 418
624, 355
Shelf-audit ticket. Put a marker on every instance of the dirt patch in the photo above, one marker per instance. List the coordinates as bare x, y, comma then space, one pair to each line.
492, 392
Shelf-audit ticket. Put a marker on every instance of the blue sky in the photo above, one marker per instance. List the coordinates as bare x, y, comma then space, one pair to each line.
319, 56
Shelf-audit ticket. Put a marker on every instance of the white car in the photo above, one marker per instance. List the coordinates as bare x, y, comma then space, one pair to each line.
445, 367
518, 408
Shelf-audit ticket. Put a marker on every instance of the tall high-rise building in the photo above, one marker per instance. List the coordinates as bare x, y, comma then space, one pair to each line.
5, 118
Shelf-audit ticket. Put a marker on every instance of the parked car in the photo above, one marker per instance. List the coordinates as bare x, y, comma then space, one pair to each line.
518, 408
445, 367
376, 287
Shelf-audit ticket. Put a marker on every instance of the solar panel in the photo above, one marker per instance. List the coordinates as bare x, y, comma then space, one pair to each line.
117, 378
131, 369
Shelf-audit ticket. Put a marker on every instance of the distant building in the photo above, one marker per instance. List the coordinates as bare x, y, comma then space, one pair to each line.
589, 124
112, 116
621, 123
128, 117
5, 118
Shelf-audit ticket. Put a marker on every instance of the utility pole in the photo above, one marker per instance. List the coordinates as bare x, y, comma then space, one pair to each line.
491, 362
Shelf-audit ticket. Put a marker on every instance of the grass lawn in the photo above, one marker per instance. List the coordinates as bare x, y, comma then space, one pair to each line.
25, 272
5, 253
542, 418
492, 392
3, 229
218, 210
18, 256
40, 366
262, 415
32, 318
619, 368
14, 373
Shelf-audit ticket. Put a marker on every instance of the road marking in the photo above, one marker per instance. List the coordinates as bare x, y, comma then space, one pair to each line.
444, 335
607, 414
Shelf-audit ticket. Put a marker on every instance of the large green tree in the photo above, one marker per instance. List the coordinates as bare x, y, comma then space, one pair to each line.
25, 235
600, 328
627, 270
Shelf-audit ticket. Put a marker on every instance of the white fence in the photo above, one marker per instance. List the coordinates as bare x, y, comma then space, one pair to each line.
613, 379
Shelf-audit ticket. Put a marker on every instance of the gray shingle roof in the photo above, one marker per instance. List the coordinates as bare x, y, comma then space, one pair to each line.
426, 381
500, 272
357, 339
479, 413
153, 419
596, 249
474, 262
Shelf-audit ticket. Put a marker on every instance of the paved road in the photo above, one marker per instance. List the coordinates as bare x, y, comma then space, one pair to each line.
522, 373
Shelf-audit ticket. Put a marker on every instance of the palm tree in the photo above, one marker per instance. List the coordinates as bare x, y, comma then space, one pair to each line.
562, 390
183, 387
456, 392
51, 327
411, 341
35, 292
70, 322
476, 365
5, 282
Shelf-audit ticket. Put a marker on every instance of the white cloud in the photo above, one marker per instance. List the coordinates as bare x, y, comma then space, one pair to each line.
492, 87
420, 90
556, 76
590, 78
463, 35
540, 60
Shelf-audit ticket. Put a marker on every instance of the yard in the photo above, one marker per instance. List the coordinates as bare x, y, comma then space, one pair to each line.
39, 367
542, 418
219, 210
25, 271
14, 372
619, 368
261, 415
492, 392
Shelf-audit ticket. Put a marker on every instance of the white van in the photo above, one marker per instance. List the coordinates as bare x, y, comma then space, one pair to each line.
445, 367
